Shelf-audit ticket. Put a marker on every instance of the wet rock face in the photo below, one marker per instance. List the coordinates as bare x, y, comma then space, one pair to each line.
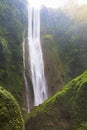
28, 75
53, 69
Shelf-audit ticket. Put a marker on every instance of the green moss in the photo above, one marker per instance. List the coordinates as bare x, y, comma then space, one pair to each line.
10, 114
53, 68
67, 110
11, 33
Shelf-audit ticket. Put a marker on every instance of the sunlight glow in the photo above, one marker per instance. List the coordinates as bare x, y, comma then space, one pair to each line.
54, 3
48, 3
82, 2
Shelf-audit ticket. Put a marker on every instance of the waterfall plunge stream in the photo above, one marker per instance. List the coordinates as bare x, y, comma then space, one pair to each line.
35, 59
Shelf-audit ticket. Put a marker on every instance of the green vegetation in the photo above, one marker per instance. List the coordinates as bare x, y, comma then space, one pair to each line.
67, 110
10, 113
11, 34
53, 67
70, 34
64, 41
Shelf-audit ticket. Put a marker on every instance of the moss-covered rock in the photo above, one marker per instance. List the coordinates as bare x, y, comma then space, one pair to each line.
53, 67
67, 110
11, 35
10, 113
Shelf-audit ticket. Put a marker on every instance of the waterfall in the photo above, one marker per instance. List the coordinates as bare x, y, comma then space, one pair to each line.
25, 78
35, 58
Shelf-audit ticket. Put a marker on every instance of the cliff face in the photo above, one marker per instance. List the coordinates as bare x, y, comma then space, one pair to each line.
68, 27
12, 13
64, 42
13, 19
67, 110
53, 67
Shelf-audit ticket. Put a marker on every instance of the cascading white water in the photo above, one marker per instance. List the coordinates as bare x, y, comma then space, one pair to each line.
35, 59
35, 56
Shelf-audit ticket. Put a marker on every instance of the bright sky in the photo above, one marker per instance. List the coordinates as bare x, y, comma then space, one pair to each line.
82, 1
54, 3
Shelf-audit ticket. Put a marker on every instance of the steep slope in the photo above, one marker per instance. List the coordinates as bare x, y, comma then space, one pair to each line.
53, 67
10, 114
11, 33
70, 33
67, 110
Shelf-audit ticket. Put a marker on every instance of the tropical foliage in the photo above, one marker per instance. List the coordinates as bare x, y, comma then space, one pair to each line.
11, 34
10, 113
